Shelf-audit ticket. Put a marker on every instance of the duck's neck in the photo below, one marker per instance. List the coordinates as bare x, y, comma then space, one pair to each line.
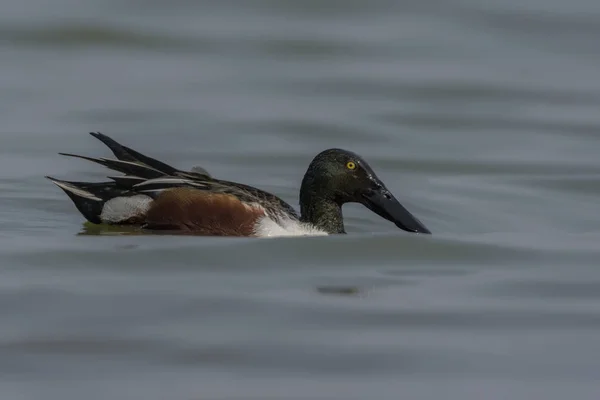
322, 212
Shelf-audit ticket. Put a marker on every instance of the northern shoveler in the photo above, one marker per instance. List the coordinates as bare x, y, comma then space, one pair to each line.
156, 196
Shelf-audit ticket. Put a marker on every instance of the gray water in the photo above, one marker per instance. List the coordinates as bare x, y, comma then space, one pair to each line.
482, 117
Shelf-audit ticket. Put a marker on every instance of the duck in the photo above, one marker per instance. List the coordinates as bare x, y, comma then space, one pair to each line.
157, 197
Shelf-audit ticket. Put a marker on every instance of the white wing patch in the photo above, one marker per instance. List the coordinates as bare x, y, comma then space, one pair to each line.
121, 209
266, 227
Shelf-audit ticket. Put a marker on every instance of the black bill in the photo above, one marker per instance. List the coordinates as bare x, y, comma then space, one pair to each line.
384, 204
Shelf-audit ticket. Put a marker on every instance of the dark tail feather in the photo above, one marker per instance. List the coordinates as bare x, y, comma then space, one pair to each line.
88, 203
125, 167
127, 182
127, 154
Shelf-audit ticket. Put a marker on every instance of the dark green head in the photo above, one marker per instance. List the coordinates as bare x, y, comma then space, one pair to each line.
336, 177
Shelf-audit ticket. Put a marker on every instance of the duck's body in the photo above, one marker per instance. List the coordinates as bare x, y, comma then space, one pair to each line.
156, 196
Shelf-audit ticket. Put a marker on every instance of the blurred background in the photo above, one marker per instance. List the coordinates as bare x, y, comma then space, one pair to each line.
482, 118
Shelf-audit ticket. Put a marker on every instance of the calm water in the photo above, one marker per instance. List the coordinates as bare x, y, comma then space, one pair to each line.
482, 118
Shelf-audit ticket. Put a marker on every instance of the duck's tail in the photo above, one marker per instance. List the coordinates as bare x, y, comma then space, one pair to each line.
133, 163
117, 201
125, 153
105, 202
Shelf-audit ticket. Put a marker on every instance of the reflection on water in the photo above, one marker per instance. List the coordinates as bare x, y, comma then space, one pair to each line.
110, 230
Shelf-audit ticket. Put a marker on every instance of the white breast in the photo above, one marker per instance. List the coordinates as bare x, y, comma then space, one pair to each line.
266, 227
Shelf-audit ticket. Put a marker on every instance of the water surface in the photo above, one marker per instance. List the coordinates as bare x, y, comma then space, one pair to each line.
481, 118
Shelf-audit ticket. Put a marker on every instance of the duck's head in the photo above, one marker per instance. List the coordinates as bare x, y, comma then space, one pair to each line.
339, 176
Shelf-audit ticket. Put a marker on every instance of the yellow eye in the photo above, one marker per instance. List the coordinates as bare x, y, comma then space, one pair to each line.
351, 165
